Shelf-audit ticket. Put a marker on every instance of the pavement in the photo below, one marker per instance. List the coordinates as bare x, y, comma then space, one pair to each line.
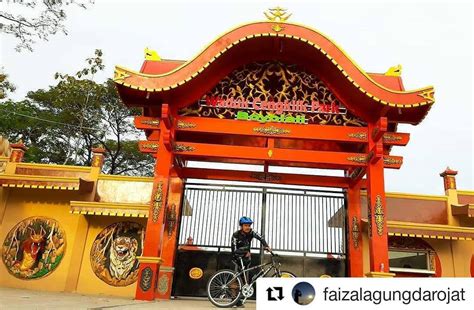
11, 298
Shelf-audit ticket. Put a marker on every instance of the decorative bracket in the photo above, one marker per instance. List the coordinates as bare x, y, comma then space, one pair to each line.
376, 152
166, 116
168, 140
380, 129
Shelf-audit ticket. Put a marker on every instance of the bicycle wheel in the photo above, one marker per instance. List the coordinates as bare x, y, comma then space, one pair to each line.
285, 274
224, 288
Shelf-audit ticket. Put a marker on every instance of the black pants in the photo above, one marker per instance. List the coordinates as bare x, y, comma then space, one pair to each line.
240, 262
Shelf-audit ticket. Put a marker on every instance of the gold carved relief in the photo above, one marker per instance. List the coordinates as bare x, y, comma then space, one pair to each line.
379, 215
277, 81
157, 202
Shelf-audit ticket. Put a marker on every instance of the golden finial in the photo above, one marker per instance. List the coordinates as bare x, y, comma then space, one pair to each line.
151, 55
394, 71
277, 15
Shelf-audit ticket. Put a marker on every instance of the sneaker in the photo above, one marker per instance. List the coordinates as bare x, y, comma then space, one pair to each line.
239, 304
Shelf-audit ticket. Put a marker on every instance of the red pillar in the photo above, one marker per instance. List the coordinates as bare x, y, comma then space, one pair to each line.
355, 255
151, 258
170, 238
377, 213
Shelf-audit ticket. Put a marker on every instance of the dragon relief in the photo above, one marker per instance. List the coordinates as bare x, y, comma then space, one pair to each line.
34, 248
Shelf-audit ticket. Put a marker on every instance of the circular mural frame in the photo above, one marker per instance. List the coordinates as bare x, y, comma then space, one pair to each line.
114, 253
34, 248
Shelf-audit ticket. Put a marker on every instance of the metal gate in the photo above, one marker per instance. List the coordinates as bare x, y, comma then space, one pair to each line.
307, 227
308, 221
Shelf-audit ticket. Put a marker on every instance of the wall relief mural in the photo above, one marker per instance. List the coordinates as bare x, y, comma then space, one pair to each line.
34, 248
114, 253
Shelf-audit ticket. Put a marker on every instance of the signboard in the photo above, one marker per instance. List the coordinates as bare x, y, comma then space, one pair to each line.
288, 111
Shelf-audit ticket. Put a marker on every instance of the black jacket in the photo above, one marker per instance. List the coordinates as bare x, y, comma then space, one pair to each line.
241, 241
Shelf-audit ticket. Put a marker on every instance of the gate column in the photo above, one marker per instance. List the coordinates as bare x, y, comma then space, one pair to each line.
170, 238
354, 231
377, 214
151, 259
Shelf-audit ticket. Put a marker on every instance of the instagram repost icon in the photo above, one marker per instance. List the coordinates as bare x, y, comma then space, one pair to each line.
303, 293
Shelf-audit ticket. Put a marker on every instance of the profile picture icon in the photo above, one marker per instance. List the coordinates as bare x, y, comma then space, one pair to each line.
303, 293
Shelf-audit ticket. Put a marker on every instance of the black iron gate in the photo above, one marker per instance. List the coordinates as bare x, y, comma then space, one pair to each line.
307, 227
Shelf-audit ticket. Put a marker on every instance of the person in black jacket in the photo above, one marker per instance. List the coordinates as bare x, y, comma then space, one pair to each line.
240, 245
241, 240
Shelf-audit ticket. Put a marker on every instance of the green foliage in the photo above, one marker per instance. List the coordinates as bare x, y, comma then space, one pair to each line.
63, 123
5, 85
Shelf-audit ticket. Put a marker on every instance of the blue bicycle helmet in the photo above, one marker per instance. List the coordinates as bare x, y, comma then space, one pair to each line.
245, 220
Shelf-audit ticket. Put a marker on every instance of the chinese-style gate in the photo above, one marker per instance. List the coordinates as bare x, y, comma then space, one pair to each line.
268, 93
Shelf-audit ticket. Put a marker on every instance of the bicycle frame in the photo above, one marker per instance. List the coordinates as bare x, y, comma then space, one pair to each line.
261, 273
243, 276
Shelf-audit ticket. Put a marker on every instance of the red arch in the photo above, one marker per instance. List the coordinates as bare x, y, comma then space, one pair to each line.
297, 44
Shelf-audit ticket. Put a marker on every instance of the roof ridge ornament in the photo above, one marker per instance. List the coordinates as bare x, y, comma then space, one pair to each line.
277, 15
151, 55
394, 71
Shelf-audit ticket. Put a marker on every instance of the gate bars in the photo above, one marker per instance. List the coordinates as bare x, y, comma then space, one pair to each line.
294, 220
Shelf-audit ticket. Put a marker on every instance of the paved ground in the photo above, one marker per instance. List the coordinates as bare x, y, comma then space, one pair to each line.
26, 299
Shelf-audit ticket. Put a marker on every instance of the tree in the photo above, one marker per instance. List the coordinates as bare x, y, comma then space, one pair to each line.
61, 124
5, 85
41, 19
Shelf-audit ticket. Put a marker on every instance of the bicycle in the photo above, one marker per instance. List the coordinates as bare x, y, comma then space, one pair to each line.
224, 288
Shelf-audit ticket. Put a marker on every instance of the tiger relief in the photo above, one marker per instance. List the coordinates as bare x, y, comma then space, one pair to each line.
114, 253
123, 254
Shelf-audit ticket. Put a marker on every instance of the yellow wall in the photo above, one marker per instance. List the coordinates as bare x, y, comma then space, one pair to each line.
365, 252
443, 250
463, 251
455, 262
24, 203
74, 272
454, 255
89, 283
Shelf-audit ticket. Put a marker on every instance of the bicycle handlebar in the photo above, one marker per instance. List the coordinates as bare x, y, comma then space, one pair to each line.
273, 254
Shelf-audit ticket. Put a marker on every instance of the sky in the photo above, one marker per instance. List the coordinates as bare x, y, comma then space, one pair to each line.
432, 40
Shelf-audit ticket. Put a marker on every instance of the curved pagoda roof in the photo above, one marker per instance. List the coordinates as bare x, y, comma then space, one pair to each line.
367, 95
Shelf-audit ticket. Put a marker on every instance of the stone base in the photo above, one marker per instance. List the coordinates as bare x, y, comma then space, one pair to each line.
377, 274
